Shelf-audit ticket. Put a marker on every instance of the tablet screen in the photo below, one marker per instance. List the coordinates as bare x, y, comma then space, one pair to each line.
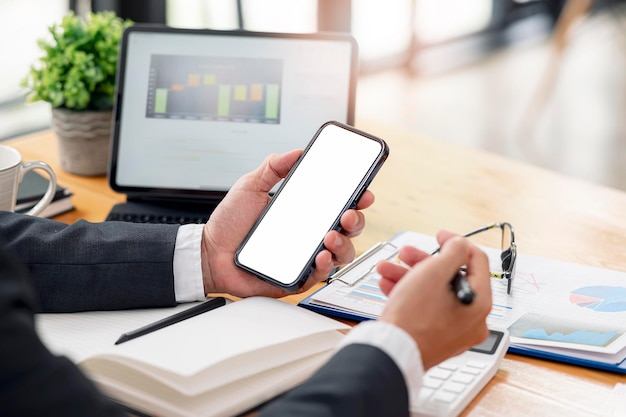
196, 109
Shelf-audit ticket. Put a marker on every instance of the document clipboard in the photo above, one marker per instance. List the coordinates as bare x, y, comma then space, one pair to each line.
353, 293
354, 287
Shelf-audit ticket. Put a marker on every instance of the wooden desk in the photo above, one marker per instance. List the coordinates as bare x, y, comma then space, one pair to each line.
426, 186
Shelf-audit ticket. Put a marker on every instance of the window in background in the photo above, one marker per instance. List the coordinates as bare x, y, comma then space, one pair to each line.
443, 20
382, 29
258, 15
387, 32
280, 15
22, 47
21, 51
198, 14
450, 33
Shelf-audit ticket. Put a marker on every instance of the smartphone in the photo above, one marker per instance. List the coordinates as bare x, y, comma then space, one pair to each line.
331, 175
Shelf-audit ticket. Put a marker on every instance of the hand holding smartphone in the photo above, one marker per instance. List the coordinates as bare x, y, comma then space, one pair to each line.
330, 176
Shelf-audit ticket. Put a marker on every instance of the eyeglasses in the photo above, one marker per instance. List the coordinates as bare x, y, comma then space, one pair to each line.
509, 252
388, 251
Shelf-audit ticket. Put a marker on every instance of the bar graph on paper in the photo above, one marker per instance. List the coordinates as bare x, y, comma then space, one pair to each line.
214, 88
365, 297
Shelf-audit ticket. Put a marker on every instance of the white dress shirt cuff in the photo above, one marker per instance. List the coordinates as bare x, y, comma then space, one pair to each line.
188, 285
397, 344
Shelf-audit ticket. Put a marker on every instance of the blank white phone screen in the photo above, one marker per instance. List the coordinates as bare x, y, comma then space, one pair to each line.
309, 204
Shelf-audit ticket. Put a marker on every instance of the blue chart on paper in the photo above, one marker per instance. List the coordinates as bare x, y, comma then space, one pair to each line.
600, 298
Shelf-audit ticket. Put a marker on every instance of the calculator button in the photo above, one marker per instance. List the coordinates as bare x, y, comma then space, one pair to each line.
454, 387
439, 373
448, 366
432, 382
444, 397
470, 370
463, 378
424, 394
474, 364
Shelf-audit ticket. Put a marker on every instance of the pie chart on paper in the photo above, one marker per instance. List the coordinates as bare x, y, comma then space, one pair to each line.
600, 298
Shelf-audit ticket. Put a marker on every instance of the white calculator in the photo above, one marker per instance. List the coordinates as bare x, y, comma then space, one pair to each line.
450, 386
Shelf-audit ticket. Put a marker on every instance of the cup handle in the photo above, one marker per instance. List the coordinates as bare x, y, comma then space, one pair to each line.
52, 185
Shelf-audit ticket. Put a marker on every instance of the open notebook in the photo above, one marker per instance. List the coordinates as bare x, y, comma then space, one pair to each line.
196, 109
219, 363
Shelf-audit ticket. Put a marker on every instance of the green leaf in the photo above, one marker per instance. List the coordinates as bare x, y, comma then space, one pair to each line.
78, 63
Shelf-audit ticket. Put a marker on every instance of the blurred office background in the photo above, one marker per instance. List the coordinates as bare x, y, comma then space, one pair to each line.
540, 81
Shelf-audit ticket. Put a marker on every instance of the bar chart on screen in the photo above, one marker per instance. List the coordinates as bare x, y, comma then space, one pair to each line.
214, 88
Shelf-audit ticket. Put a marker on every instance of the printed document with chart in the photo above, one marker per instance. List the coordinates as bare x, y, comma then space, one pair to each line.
559, 309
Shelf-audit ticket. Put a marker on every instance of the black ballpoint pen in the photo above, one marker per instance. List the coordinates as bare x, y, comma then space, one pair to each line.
173, 319
460, 286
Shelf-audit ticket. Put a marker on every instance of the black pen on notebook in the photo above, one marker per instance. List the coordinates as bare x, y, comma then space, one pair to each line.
173, 319
460, 286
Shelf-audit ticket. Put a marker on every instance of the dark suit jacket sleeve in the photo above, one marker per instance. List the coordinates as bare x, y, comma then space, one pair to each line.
94, 266
359, 380
33, 382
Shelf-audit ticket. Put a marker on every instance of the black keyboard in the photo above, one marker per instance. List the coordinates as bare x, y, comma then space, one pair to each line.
134, 212
151, 218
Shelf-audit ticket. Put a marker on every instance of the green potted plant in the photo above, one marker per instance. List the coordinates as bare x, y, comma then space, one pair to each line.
76, 75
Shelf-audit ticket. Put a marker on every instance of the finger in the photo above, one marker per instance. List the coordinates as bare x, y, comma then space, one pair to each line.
391, 270
282, 164
323, 268
274, 168
366, 200
391, 273
456, 248
478, 272
352, 223
340, 246
411, 255
445, 235
459, 251
453, 255
386, 285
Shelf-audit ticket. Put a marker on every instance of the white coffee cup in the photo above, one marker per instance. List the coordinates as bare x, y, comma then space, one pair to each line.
12, 171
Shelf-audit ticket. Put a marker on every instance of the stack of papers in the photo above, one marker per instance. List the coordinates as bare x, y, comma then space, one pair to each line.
556, 310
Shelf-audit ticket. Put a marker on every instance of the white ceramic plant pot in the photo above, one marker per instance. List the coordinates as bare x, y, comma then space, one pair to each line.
84, 139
